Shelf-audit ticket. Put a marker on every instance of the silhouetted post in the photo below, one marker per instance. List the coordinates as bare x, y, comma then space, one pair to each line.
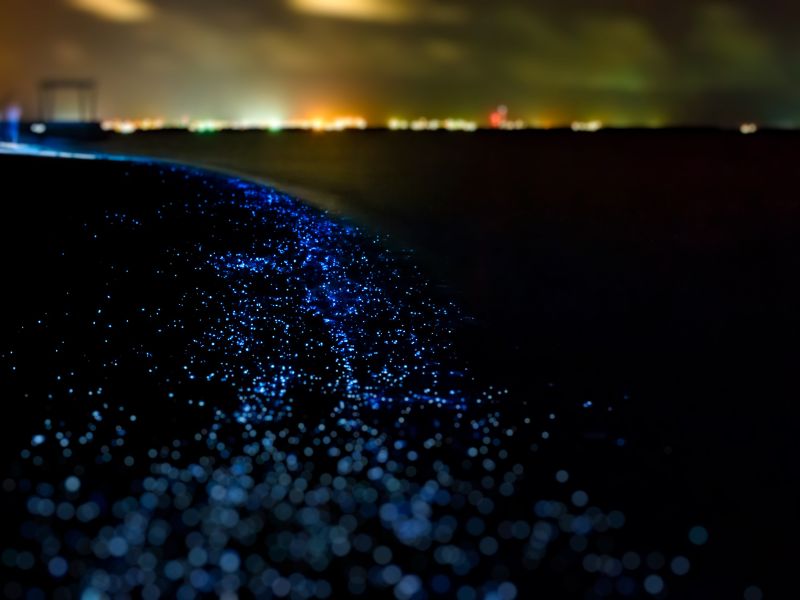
86, 90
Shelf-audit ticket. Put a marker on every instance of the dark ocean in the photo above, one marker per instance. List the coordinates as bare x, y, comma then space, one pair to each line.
643, 283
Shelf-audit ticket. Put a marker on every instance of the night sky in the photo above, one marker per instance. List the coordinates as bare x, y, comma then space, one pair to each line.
625, 62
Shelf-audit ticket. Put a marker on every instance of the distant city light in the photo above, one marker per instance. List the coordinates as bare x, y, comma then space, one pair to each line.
319, 124
513, 125
460, 125
748, 128
126, 126
498, 118
590, 126
422, 125
207, 126
425, 124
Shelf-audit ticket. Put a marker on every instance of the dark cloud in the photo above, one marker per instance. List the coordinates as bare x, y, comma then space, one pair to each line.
622, 60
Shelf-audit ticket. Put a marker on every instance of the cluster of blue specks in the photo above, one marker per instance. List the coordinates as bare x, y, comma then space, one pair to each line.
287, 417
316, 305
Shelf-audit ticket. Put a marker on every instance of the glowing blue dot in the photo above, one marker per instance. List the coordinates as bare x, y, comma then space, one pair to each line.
407, 587
488, 546
580, 498
72, 484
391, 574
466, 593
57, 566
229, 562
281, 587
753, 593
199, 578
680, 565
197, 556
507, 591
653, 584
118, 546
173, 570
698, 535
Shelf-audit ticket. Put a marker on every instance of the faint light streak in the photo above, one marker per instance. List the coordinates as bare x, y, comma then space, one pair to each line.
123, 11
364, 10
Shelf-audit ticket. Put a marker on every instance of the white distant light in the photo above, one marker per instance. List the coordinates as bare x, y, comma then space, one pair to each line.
38, 128
460, 125
513, 125
126, 128
424, 124
748, 128
419, 124
587, 126
342, 123
206, 126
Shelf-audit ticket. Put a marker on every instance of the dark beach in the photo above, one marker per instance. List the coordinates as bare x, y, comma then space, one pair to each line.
639, 285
